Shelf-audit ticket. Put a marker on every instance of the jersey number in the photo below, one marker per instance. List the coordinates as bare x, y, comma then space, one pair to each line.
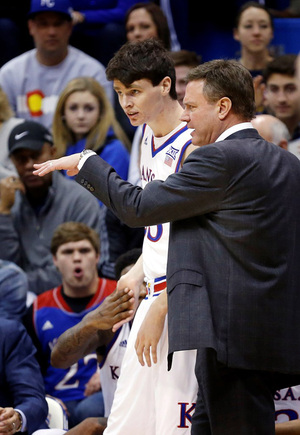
154, 235
65, 384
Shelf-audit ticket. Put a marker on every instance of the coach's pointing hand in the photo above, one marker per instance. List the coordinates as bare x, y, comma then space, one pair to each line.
69, 163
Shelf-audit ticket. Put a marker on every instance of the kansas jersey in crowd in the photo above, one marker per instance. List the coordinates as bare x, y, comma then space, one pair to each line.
51, 314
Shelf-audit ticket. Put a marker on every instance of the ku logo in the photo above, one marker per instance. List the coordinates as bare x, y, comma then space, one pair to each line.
113, 371
185, 414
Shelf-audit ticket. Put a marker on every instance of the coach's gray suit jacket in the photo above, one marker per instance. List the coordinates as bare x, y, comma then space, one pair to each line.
233, 273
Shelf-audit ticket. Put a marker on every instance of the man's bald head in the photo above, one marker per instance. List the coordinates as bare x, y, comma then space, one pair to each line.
272, 129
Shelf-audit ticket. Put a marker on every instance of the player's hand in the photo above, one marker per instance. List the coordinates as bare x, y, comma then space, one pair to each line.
8, 188
116, 307
150, 331
68, 163
126, 283
133, 279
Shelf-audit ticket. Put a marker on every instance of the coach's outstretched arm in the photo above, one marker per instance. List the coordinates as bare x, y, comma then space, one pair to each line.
198, 188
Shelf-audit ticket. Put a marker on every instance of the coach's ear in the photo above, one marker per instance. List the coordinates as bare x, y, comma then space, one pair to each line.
224, 106
283, 144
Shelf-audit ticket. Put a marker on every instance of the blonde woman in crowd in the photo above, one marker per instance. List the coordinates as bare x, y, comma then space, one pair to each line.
85, 119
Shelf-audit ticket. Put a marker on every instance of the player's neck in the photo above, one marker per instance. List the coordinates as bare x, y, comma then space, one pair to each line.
167, 120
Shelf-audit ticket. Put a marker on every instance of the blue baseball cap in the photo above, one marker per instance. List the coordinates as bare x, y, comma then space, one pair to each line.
60, 6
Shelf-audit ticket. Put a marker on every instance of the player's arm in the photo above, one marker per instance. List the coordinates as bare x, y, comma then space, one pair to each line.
151, 329
133, 280
76, 343
93, 331
288, 428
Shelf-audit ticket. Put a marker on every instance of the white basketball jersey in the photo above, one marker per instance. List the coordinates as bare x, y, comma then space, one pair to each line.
111, 364
163, 156
287, 404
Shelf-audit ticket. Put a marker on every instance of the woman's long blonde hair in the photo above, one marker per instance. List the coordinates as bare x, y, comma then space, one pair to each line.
63, 136
6, 111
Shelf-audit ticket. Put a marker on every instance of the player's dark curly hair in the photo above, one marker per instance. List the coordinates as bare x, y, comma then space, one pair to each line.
142, 60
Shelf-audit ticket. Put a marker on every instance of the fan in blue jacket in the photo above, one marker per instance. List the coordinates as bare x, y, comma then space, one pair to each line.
22, 396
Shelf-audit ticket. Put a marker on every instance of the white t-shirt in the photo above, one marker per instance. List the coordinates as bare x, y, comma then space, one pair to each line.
33, 89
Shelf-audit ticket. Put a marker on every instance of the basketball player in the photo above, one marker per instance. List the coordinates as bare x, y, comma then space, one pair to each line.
149, 400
